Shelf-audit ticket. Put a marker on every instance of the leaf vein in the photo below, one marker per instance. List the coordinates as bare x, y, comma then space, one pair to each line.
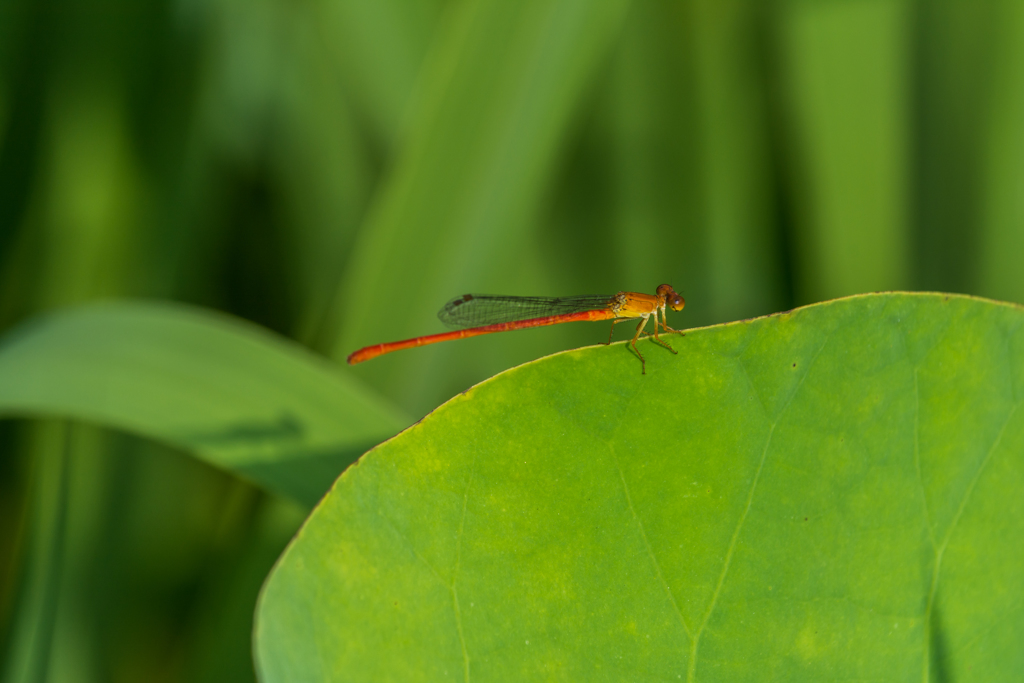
695, 642
917, 460
455, 576
408, 544
933, 591
647, 544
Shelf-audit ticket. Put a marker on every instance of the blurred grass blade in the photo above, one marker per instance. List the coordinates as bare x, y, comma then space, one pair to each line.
1002, 215
648, 118
326, 170
953, 60
674, 152
28, 657
378, 49
832, 489
496, 99
227, 392
739, 217
224, 617
847, 73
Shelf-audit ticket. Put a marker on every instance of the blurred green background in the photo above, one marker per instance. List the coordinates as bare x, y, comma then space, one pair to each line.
336, 170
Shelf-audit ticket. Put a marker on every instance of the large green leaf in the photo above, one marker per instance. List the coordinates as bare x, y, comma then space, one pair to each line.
228, 392
831, 493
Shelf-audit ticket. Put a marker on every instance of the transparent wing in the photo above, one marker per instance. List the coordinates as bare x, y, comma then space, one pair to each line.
476, 310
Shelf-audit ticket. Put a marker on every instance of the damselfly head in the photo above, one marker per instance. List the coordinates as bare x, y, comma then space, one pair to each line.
671, 298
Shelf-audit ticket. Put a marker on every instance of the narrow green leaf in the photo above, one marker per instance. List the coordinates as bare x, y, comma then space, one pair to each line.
1002, 240
325, 167
847, 79
953, 116
378, 49
496, 98
735, 173
28, 655
649, 119
830, 491
227, 392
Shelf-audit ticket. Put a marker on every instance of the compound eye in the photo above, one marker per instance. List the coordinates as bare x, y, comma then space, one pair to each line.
677, 302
